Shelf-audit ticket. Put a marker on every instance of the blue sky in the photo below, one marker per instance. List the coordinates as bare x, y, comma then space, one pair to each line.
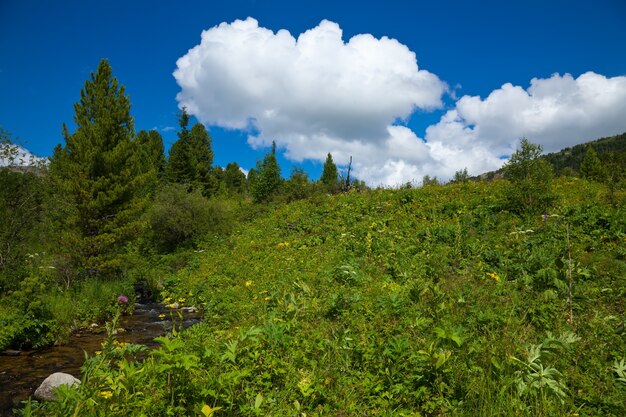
47, 50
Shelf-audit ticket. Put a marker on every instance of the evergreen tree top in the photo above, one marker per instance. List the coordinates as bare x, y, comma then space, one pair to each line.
329, 172
103, 101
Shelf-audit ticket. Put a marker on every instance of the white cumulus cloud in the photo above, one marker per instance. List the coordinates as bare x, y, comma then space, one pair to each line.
313, 94
555, 112
318, 93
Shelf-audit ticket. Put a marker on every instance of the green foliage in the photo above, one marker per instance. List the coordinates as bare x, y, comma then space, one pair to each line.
178, 216
427, 181
22, 198
179, 168
591, 168
151, 145
424, 301
191, 157
266, 181
201, 157
298, 186
461, 176
607, 149
99, 176
530, 178
330, 174
234, 178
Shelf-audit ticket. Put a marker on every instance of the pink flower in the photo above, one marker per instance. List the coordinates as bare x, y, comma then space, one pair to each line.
122, 299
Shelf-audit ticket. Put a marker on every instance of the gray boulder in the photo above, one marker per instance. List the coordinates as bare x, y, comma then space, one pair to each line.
44, 392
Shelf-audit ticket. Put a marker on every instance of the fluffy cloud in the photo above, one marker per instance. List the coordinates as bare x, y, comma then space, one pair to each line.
317, 93
312, 95
556, 112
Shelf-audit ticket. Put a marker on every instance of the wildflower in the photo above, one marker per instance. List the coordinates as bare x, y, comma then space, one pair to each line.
105, 394
122, 299
248, 284
167, 300
98, 352
494, 276
181, 300
161, 316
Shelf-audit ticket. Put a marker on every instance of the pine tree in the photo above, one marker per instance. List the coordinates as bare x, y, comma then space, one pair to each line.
100, 177
151, 144
191, 157
591, 168
329, 173
234, 179
201, 159
179, 168
268, 180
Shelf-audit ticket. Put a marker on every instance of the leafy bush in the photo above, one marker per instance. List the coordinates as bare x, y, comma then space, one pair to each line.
531, 179
177, 216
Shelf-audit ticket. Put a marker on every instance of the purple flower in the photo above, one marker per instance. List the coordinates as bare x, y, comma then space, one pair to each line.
122, 299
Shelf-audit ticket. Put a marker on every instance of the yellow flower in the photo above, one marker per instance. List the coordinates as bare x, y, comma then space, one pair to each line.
248, 284
105, 394
181, 300
98, 352
494, 276
161, 316
167, 300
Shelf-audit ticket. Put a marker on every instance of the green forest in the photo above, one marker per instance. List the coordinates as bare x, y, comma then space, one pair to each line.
478, 297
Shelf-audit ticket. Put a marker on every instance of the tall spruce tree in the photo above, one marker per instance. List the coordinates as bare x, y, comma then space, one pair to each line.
100, 178
191, 157
330, 174
206, 179
179, 168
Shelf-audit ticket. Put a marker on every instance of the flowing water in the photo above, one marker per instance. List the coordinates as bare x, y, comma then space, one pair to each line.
22, 372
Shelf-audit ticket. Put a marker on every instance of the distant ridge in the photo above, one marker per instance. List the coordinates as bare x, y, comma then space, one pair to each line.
610, 150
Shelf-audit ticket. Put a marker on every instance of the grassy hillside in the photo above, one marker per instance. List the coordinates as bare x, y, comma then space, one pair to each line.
425, 302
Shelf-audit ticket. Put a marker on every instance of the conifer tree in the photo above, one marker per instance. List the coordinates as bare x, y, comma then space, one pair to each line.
591, 168
268, 180
191, 157
99, 175
201, 158
179, 168
234, 179
329, 173
200, 146
151, 144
